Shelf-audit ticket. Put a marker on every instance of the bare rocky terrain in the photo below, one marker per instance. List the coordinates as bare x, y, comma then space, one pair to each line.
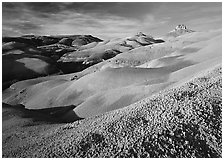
179, 122
139, 96
60, 54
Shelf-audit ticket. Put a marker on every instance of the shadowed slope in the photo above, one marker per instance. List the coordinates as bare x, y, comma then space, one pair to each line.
25, 66
33, 56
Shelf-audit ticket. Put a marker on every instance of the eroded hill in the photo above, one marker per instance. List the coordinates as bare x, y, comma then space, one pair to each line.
128, 97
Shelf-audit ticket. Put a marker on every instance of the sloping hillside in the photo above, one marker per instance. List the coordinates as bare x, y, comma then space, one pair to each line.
180, 122
33, 56
113, 84
62, 54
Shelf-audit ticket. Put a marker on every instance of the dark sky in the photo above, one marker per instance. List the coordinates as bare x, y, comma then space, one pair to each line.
107, 20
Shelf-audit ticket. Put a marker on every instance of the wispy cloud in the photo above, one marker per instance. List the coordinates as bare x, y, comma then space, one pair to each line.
105, 20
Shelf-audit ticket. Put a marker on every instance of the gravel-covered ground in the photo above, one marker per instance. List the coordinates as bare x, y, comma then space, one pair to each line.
179, 122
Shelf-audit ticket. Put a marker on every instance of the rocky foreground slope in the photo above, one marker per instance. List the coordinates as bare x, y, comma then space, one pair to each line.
180, 122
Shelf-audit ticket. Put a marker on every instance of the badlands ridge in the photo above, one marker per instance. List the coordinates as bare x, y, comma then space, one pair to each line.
137, 96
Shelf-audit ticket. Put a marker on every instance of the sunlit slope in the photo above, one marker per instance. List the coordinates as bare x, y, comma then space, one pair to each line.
185, 120
117, 83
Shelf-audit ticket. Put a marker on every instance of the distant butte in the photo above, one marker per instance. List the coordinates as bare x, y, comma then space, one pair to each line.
179, 30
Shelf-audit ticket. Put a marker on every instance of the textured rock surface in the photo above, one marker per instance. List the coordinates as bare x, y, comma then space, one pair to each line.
179, 30
180, 122
181, 26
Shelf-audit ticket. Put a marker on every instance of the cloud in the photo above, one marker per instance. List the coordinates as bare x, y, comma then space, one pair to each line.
106, 20
74, 18
206, 23
77, 23
34, 18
